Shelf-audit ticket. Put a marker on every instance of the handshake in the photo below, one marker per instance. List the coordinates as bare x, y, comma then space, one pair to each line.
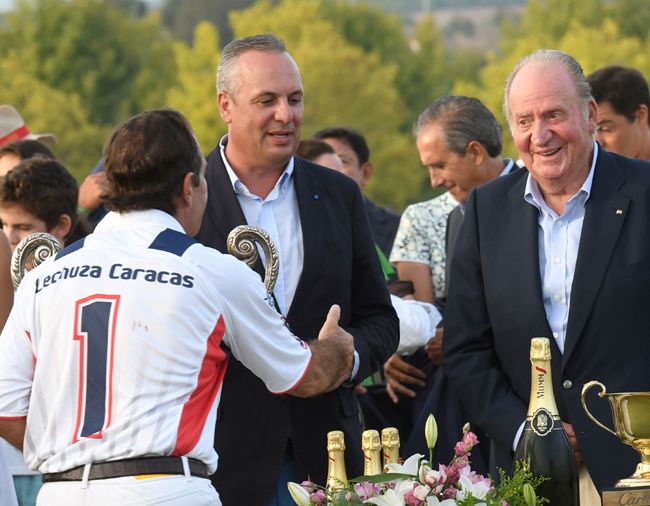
332, 358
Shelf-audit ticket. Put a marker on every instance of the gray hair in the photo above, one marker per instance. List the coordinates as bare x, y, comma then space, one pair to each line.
573, 68
463, 119
266, 42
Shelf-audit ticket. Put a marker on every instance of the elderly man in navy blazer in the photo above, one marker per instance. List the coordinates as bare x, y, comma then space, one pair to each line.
562, 251
318, 221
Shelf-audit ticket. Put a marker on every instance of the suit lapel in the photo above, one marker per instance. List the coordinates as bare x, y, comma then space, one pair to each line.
605, 214
223, 208
311, 206
522, 262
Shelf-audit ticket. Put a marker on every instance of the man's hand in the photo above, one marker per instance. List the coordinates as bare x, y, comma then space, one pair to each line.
434, 347
91, 191
568, 428
332, 358
398, 374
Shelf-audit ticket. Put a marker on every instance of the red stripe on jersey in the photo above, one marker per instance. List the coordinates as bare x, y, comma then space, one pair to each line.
29, 336
13, 417
196, 409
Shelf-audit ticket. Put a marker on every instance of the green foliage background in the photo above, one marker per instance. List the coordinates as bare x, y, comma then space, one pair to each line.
78, 67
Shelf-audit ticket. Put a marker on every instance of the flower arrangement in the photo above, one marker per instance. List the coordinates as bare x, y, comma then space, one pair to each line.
417, 483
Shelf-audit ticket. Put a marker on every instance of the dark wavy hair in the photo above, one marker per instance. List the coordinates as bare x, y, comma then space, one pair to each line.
42, 187
146, 159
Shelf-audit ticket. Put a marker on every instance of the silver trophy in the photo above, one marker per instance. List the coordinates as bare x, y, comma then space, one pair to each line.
39, 247
241, 244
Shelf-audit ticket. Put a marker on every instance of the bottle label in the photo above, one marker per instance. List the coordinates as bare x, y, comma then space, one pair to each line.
542, 422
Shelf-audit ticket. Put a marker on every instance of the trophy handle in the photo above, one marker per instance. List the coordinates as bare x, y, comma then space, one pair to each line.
601, 394
241, 244
41, 244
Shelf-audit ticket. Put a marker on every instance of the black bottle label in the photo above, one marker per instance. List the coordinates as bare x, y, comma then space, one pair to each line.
542, 422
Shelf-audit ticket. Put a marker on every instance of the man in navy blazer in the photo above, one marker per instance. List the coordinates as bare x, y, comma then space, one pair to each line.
318, 222
561, 251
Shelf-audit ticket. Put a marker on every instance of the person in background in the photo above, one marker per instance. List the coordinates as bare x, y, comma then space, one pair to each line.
623, 111
31, 200
13, 127
91, 194
320, 153
40, 195
7, 487
13, 152
353, 151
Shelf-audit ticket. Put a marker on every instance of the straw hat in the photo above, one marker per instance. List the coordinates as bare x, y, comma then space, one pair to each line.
13, 128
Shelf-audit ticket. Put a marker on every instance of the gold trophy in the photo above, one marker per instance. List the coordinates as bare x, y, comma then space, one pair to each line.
241, 244
35, 248
631, 412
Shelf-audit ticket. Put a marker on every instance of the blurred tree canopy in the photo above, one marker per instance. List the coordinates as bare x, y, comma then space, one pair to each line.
100, 54
78, 67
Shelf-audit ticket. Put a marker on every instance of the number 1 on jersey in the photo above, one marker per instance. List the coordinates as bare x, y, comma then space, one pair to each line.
95, 319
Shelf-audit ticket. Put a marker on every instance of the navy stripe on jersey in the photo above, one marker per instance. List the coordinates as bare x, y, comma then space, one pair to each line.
71, 249
172, 241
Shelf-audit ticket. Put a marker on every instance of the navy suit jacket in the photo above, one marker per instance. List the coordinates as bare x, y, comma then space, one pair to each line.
340, 267
495, 307
383, 225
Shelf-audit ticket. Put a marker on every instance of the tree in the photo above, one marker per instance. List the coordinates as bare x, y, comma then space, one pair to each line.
195, 93
44, 109
116, 64
181, 16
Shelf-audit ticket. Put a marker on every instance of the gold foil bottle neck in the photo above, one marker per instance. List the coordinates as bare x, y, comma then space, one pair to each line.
540, 348
370, 441
390, 437
335, 441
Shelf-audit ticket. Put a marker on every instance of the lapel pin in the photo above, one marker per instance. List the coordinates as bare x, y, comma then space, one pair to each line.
619, 212
316, 196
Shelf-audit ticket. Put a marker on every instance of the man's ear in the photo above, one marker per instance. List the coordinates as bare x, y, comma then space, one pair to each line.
641, 115
62, 228
188, 189
477, 151
367, 170
224, 102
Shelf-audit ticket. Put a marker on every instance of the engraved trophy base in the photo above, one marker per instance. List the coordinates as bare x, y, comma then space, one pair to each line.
640, 478
638, 496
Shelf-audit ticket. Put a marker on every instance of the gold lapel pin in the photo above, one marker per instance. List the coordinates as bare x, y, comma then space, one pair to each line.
619, 212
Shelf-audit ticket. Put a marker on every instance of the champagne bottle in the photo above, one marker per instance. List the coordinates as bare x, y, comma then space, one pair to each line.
390, 444
371, 453
544, 445
337, 478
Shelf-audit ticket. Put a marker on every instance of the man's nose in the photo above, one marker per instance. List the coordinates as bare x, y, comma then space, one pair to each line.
436, 179
541, 134
283, 111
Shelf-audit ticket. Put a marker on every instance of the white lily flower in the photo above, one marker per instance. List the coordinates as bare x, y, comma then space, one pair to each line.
477, 490
410, 465
298, 494
390, 498
434, 501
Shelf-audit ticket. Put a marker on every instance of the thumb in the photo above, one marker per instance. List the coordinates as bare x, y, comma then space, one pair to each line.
331, 322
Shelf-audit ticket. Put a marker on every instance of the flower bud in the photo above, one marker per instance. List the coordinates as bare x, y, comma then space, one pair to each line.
529, 495
431, 432
298, 494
